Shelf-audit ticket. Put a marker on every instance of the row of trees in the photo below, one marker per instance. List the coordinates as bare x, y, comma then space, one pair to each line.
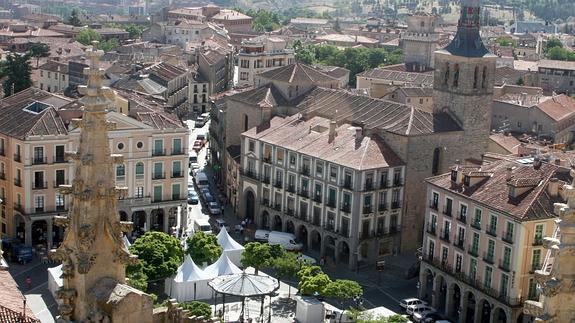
264, 20
356, 60
554, 49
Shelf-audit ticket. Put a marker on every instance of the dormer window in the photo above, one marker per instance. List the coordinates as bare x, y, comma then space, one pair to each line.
511, 192
466, 180
454, 176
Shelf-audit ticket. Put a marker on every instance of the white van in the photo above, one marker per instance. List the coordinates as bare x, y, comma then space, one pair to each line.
284, 239
262, 235
202, 180
202, 225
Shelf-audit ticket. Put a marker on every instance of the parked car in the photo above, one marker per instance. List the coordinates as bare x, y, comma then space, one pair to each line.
307, 260
214, 208
432, 317
411, 301
200, 122
192, 197
198, 145
287, 240
418, 317
411, 310
220, 223
207, 195
202, 225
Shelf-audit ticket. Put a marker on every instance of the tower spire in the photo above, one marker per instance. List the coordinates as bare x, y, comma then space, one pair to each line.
93, 252
467, 41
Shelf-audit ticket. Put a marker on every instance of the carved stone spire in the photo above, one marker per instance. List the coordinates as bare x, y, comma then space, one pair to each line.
556, 279
93, 249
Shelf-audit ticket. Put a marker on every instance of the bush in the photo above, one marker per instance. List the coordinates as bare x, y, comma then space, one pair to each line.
197, 308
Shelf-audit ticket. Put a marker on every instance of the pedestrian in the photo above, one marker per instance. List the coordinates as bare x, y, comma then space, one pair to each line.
322, 261
241, 230
28, 282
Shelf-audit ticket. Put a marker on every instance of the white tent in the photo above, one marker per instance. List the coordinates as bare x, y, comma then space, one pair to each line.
55, 279
231, 247
190, 283
223, 266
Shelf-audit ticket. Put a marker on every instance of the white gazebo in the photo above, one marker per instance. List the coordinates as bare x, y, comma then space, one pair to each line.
231, 247
189, 283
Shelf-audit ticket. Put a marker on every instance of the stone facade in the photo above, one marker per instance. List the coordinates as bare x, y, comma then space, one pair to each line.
262, 54
420, 42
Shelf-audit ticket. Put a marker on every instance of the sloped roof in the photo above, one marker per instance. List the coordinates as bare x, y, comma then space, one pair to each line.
223, 266
375, 113
12, 301
17, 121
189, 271
157, 120
415, 79
296, 73
227, 242
266, 96
558, 107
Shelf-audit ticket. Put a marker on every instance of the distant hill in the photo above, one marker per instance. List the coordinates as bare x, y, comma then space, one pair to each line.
549, 10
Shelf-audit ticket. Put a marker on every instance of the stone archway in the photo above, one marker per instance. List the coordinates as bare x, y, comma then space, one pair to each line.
290, 227
123, 216
277, 223
500, 316
485, 311
441, 293
250, 208
157, 220
20, 227
471, 303
139, 220
427, 286
343, 252
455, 301
39, 232
172, 218
315, 241
302, 235
265, 220
329, 247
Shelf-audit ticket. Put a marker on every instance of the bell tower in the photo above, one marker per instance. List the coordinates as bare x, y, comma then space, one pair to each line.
463, 80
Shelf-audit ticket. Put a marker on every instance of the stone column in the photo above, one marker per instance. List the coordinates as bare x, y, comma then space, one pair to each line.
28, 233
148, 220
435, 292
493, 316
166, 227
449, 302
463, 307
49, 234
335, 251
478, 311
422, 282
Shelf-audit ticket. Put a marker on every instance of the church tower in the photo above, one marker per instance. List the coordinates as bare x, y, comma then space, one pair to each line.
463, 80
420, 42
93, 254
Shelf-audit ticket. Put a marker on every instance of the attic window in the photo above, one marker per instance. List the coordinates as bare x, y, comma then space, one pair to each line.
36, 107
466, 180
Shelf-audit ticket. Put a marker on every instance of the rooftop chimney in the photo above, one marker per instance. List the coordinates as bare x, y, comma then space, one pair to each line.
332, 133
553, 186
536, 162
509, 173
358, 137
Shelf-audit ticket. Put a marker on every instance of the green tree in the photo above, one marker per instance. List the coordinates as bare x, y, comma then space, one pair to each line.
38, 50
134, 30
87, 36
553, 43
159, 253
198, 308
17, 71
257, 255
312, 280
520, 81
136, 276
343, 290
286, 267
74, 18
203, 248
108, 45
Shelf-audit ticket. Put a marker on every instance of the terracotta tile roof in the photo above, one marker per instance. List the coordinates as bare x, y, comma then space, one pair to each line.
507, 142
375, 113
565, 65
157, 120
558, 107
297, 73
507, 75
54, 66
412, 78
311, 137
353, 39
165, 72
416, 91
32, 112
11, 301
264, 96
534, 203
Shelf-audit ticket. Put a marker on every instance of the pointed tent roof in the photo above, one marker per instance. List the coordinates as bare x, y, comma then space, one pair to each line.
227, 242
223, 266
189, 271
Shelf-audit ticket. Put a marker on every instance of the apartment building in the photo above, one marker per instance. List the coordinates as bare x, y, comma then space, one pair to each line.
260, 54
556, 76
199, 92
483, 238
53, 76
34, 138
337, 189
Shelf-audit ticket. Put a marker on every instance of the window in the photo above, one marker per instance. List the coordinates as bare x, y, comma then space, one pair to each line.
456, 76
477, 218
331, 197
446, 75
319, 169
383, 179
59, 201
175, 191
158, 171
120, 146
536, 260
39, 203
177, 146
39, 180
140, 145
475, 76
333, 172
458, 262
280, 156
475, 244
59, 154
158, 147
490, 251
246, 122
318, 194
504, 285
139, 170
463, 212
472, 268
436, 160
251, 146
120, 172
506, 257
509, 233
533, 294
157, 193
367, 201
488, 274
177, 169
444, 254
292, 160
493, 224
139, 192
431, 249
538, 238
484, 77
60, 177
38, 155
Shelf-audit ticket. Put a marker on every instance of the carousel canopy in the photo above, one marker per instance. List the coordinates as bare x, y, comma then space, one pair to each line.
244, 285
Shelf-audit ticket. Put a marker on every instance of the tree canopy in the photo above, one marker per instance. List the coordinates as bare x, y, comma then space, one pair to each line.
312, 280
38, 50
136, 276
87, 36
343, 290
198, 308
203, 248
257, 255
74, 18
134, 30
159, 253
17, 71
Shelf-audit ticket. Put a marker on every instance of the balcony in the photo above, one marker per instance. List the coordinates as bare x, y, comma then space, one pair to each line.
177, 174
158, 152
303, 193
383, 184
60, 208
434, 205
347, 184
462, 217
398, 181
278, 207
534, 267
507, 237
447, 211
18, 182
249, 173
431, 228
266, 179
367, 210
317, 198
445, 235
159, 175
395, 205
278, 184
266, 202
476, 225
267, 160
538, 241
460, 243
491, 230
346, 208
290, 212
40, 160
331, 203
290, 188
316, 220
473, 250
178, 151
59, 159
488, 258
18, 207
305, 170
504, 265
39, 185
18, 158
368, 186
382, 207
